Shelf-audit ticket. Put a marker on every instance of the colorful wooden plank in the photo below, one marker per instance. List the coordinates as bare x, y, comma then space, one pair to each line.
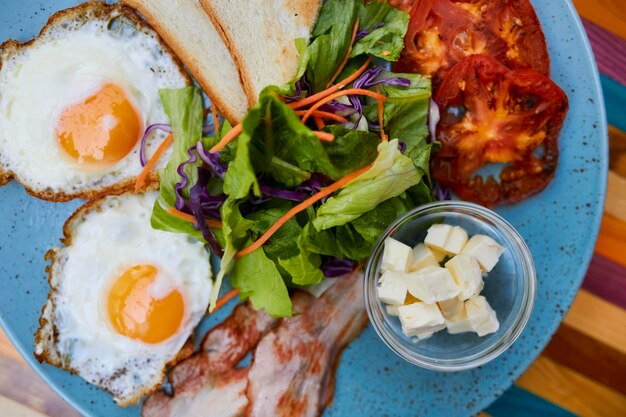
588, 356
606, 279
571, 390
610, 14
598, 319
20, 383
521, 403
612, 239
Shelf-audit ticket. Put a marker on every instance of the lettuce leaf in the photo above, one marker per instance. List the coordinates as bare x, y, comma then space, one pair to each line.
304, 268
386, 26
257, 278
184, 108
391, 175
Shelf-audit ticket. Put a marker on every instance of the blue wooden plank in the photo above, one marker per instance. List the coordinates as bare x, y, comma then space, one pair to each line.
615, 100
517, 402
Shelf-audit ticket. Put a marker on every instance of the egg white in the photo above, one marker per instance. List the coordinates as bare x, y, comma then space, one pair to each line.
69, 62
106, 239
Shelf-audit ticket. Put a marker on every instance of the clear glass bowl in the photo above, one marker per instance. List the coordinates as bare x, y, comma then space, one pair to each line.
510, 289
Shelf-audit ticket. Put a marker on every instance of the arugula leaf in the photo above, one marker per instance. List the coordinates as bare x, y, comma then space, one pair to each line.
257, 278
391, 174
284, 243
330, 41
287, 151
184, 109
386, 41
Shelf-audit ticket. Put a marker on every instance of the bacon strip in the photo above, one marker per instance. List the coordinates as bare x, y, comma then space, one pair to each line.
208, 380
293, 370
214, 395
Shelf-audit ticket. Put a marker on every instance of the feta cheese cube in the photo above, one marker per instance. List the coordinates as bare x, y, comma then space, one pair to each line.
440, 255
432, 284
419, 317
392, 310
422, 257
485, 249
456, 240
459, 324
451, 308
427, 332
481, 316
397, 256
392, 287
467, 275
437, 236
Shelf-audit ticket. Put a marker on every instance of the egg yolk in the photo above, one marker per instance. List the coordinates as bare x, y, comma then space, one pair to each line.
101, 130
135, 313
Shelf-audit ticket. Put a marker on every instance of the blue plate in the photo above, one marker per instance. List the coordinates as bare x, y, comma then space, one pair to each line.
560, 226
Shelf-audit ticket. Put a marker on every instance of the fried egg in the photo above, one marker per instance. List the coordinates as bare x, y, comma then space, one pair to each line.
75, 102
124, 297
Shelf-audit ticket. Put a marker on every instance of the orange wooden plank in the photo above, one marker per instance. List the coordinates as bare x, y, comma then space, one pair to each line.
610, 14
7, 350
612, 239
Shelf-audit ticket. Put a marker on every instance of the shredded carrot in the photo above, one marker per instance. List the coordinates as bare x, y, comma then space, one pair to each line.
318, 96
325, 136
355, 30
381, 118
324, 115
232, 134
143, 175
319, 122
225, 299
216, 224
324, 192
216, 118
348, 92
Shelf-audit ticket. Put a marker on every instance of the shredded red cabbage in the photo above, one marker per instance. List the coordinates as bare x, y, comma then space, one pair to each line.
142, 147
266, 190
212, 160
363, 33
367, 80
441, 193
402, 146
303, 87
167, 128
334, 267
180, 203
197, 195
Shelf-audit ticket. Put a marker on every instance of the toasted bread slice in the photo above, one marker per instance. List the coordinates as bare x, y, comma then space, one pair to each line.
192, 36
261, 37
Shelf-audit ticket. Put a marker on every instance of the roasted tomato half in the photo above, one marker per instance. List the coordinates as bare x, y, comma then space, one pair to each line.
444, 32
491, 114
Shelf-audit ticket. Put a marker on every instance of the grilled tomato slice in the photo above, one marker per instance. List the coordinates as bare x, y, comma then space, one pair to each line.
444, 32
491, 114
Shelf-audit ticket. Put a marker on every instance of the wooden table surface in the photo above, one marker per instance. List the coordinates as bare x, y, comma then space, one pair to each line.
582, 370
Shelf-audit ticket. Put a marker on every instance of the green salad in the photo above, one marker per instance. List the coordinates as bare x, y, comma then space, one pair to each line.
317, 180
